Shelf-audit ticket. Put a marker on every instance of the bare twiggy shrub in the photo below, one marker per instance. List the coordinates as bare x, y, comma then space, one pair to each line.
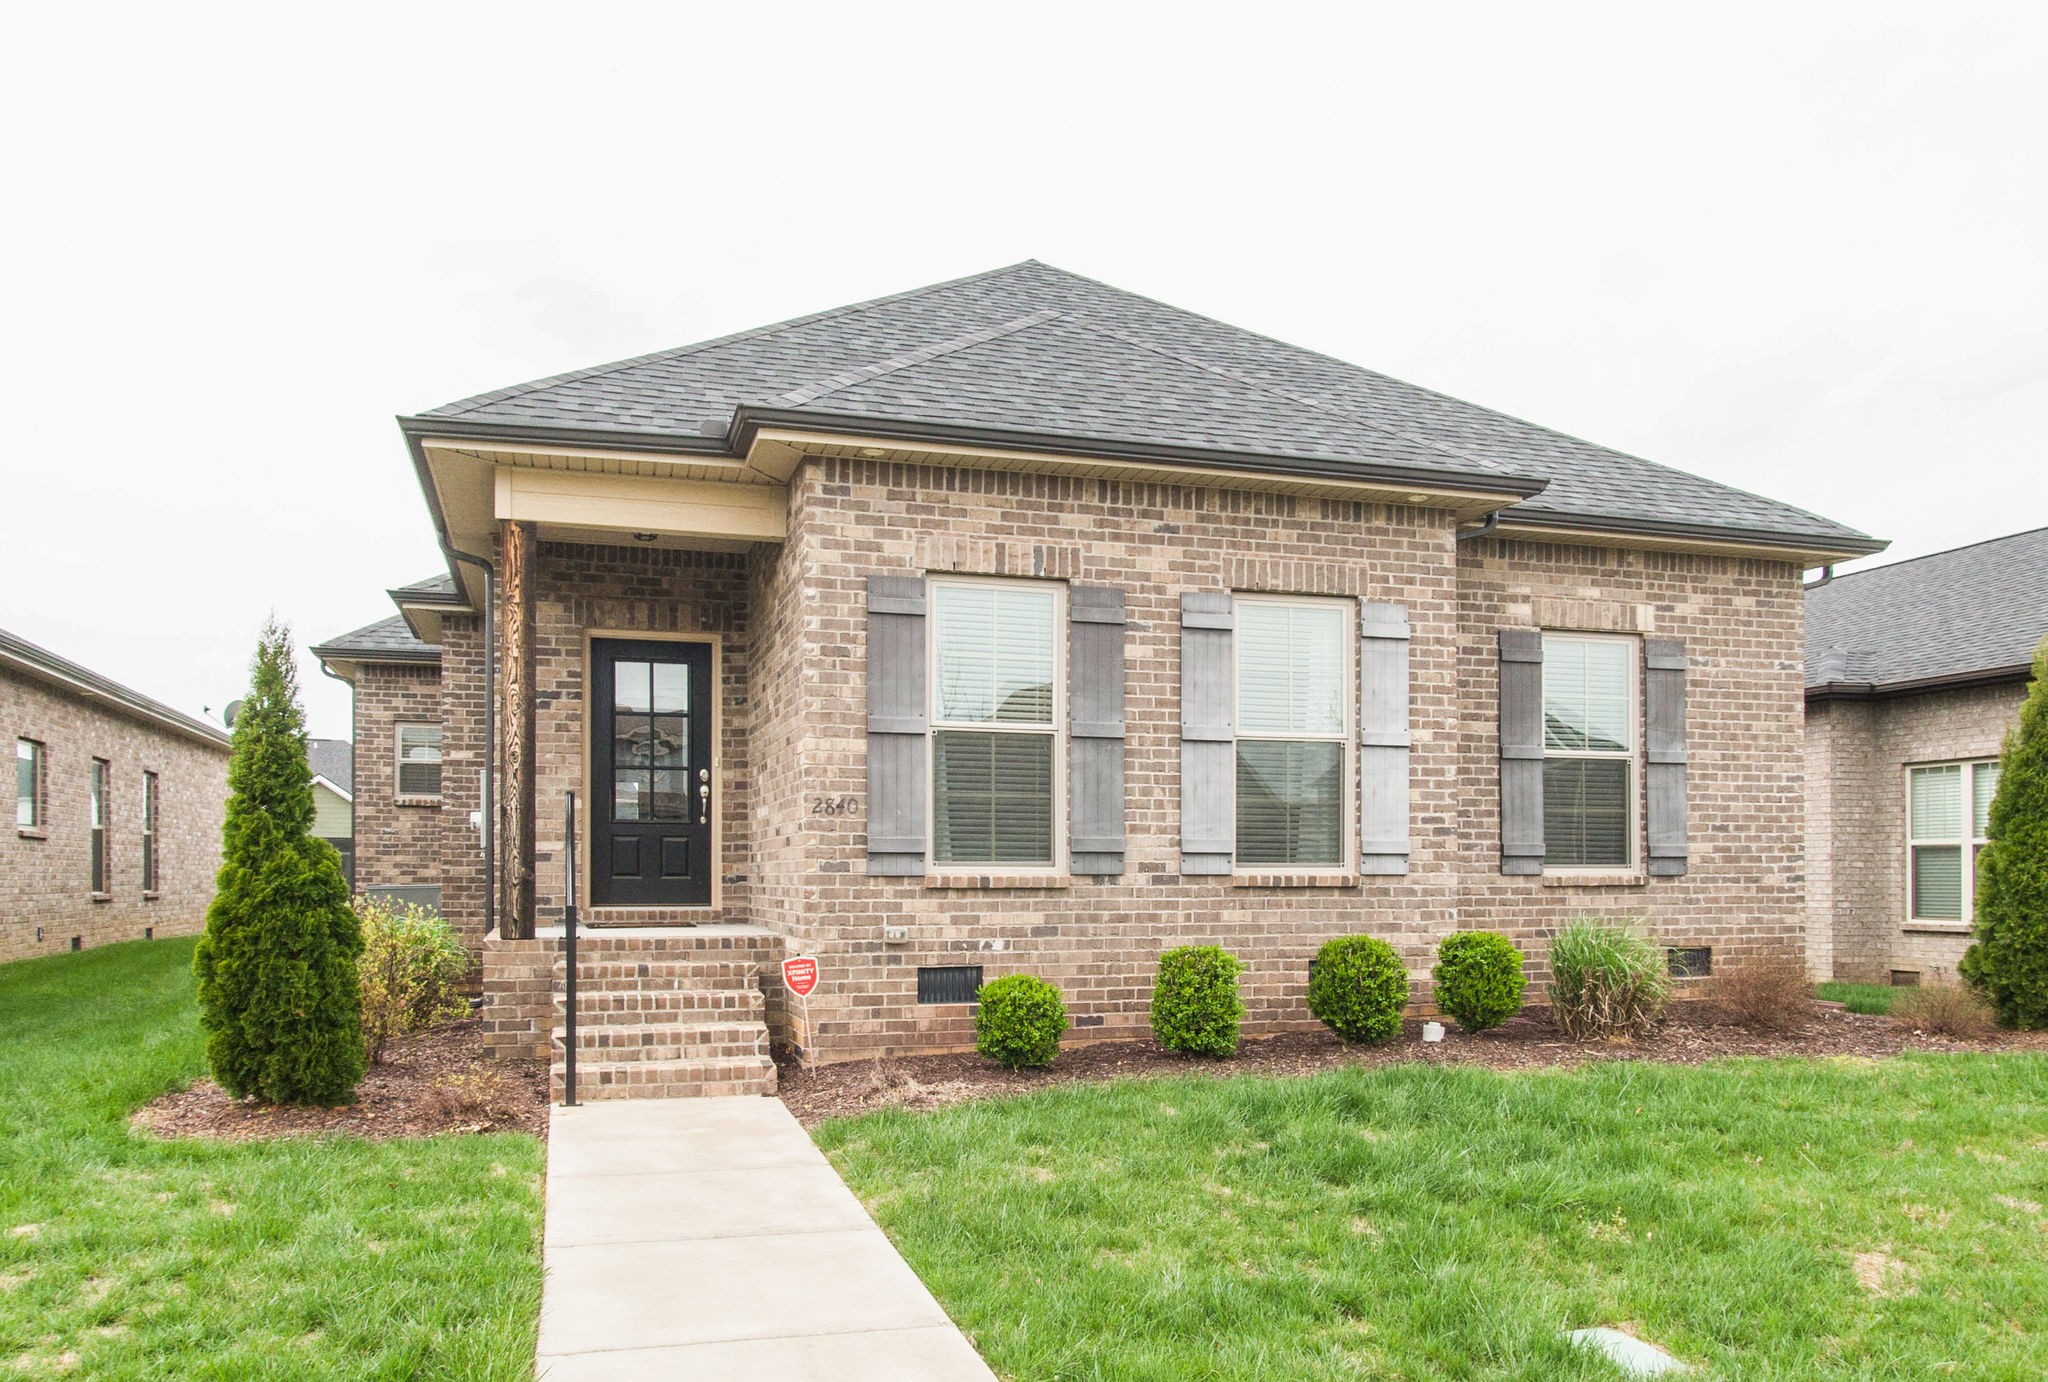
1768, 992
483, 1095
1945, 1010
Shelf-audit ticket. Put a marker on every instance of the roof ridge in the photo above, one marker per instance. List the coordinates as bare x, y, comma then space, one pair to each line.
832, 383
476, 401
1928, 556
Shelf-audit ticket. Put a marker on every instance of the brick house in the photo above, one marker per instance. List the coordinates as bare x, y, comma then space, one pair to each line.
1914, 674
1021, 623
118, 801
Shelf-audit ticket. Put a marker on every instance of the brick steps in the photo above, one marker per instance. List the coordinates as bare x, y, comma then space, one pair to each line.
667, 1013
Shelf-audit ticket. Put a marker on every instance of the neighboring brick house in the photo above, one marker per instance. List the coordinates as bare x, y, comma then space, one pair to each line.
118, 801
1021, 623
1914, 673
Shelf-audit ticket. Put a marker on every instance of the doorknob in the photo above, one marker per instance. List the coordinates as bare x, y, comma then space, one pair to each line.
703, 796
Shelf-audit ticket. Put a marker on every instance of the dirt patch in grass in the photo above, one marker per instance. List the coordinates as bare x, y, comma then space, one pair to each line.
435, 1082
1693, 1033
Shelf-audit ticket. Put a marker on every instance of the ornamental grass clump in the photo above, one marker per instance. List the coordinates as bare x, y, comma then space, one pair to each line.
2008, 964
412, 968
1478, 979
1606, 979
1196, 1008
1357, 988
1020, 1021
277, 966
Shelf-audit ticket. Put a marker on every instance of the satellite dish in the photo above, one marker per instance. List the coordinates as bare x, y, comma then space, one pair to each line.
228, 716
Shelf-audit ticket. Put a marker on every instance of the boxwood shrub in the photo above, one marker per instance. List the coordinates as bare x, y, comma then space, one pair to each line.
1479, 978
1020, 1021
1357, 988
1196, 1007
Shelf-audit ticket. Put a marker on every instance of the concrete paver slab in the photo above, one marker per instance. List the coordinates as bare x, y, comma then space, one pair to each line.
710, 1239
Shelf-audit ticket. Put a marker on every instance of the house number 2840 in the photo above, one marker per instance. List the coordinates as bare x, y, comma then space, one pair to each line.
834, 806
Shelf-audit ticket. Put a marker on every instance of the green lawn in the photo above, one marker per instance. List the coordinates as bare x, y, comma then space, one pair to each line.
1425, 1222
125, 1257
1859, 998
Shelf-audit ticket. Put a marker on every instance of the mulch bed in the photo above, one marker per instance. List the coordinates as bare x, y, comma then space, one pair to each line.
434, 1082
1692, 1034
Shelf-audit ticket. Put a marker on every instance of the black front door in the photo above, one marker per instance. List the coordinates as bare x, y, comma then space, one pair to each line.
651, 783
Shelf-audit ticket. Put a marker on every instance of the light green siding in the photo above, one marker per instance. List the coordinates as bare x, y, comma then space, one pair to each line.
333, 817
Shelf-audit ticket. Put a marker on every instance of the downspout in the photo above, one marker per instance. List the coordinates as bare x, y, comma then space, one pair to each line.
490, 799
1484, 529
1827, 573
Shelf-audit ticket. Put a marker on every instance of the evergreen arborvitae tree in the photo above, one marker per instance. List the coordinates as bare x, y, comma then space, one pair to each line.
278, 992
2008, 964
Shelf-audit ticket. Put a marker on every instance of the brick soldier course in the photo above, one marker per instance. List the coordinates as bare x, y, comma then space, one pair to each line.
775, 495
74, 716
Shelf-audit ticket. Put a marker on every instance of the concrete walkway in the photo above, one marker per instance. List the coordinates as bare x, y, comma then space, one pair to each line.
709, 1239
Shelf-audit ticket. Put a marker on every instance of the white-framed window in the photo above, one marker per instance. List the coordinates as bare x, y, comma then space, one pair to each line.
1948, 812
1295, 702
1591, 709
998, 717
149, 832
101, 773
419, 761
28, 785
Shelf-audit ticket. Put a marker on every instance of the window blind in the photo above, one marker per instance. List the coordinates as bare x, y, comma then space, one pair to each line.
1585, 812
1289, 802
993, 794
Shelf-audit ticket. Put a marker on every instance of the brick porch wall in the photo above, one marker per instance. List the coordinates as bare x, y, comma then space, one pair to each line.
396, 844
46, 875
1859, 819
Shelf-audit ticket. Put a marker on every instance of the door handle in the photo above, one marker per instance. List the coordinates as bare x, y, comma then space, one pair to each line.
703, 796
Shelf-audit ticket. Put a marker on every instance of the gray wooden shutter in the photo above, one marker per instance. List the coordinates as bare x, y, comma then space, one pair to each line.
1664, 715
1521, 751
1383, 738
1208, 734
1095, 701
899, 786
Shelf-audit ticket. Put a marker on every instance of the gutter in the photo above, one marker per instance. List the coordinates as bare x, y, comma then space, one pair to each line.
60, 672
2020, 672
1848, 543
735, 439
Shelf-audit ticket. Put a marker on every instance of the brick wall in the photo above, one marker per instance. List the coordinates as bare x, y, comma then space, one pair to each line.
45, 876
1858, 752
1099, 940
397, 844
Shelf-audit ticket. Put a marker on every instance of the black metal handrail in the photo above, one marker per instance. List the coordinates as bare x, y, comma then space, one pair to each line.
569, 957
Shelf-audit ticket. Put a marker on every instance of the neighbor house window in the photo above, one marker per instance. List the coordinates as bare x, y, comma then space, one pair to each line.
99, 825
149, 832
419, 760
1293, 731
1948, 812
1589, 751
28, 785
996, 715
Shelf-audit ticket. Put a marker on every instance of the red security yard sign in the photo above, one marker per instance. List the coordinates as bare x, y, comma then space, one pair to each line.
800, 972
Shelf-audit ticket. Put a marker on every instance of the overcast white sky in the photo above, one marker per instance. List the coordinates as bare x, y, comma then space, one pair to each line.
1801, 249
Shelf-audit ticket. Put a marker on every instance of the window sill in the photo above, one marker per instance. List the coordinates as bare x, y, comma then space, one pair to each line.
30, 832
416, 801
150, 894
1939, 928
102, 897
1565, 879
991, 881
1277, 879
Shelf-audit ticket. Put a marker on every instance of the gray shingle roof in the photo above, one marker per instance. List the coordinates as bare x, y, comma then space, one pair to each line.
1974, 611
387, 640
333, 759
441, 587
1033, 350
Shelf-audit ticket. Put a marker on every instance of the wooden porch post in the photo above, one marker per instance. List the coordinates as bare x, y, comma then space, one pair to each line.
516, 645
